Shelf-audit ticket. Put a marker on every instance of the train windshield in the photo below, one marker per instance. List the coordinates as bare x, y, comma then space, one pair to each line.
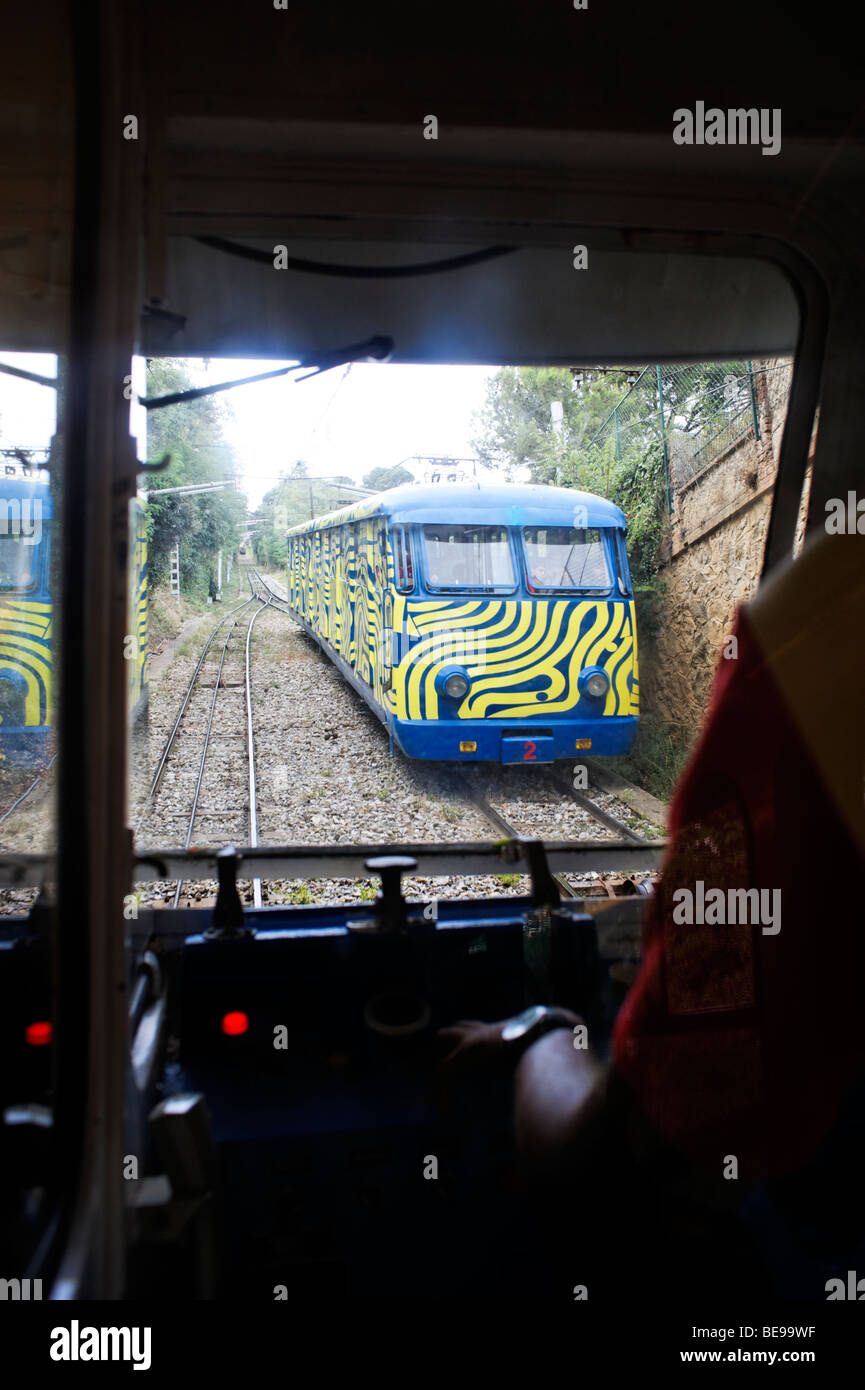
562, 557
468, 557
18, 556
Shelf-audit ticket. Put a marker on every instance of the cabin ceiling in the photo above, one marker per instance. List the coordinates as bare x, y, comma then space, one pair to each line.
304, 128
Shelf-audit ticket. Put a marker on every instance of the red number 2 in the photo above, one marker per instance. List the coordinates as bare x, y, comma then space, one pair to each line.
529, 754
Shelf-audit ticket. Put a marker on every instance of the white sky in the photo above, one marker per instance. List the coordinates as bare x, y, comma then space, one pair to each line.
376, 415
27, 411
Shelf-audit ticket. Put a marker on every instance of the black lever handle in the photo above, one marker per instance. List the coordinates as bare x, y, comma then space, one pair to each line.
390, 905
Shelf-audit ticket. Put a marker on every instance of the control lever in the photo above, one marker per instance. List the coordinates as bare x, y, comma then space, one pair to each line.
397, 1008
391, 909
228, 910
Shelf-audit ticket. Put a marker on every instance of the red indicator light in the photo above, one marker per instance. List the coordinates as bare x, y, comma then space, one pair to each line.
38, 1034
234, 1024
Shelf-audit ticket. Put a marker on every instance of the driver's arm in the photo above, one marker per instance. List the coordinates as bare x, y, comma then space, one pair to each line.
559, 1105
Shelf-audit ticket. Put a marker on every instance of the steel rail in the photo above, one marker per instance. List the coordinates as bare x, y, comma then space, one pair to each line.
273, 596
24, 795
603, 817
599, 814
157, 778
497, 819
206, 744
253, 818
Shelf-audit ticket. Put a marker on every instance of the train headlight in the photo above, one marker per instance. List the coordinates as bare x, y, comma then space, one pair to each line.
595, 683
456, 685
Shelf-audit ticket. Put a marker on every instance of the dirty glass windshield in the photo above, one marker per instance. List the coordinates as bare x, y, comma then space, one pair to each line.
18, 556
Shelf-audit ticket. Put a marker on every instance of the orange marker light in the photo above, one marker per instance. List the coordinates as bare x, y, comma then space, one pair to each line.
38, 1034
234, 1024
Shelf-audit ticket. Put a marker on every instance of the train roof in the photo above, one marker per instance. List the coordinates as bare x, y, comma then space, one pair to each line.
508, 504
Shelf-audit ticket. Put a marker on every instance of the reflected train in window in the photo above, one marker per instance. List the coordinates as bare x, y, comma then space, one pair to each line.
27, 571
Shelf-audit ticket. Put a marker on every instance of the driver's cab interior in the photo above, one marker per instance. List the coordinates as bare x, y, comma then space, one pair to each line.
533, 229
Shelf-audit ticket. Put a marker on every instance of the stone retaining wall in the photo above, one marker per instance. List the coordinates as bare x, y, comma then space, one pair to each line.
714, 555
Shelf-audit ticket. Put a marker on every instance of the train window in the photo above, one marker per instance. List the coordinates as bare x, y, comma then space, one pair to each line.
468, 557
404, 571
622, 565
563, 557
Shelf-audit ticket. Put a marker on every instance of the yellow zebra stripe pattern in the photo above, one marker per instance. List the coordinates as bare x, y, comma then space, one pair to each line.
514, 653
25, 654
523, 657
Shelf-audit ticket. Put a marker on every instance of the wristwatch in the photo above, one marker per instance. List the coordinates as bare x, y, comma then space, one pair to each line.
524, 1029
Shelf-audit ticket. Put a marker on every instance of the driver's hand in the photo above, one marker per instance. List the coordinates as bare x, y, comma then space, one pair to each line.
472, 1048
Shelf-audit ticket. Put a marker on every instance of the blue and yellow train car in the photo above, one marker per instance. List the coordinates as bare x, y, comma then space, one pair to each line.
26, 514
487, 623
137, 630
26, 624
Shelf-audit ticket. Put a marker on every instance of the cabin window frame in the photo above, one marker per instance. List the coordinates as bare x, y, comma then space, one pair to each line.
404, 574
506, 589
589, 591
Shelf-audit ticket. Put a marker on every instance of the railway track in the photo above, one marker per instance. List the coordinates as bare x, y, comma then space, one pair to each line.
505, 825
185, 748
329, 776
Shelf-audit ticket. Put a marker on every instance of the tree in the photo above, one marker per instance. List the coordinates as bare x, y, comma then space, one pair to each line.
515, 427
380, 479
295, 499
203, 524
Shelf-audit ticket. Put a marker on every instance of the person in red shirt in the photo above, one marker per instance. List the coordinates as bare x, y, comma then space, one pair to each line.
724, 1141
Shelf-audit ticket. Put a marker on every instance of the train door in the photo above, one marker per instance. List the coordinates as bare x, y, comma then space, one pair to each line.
350, 546
305, 563
378, 599
362, 602
136, 649
315, 605
342, 611
325, 620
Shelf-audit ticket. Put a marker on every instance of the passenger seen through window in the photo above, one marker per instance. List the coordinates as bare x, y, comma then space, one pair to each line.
562, 557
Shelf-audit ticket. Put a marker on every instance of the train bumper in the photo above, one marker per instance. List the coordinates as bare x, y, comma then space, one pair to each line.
484, 740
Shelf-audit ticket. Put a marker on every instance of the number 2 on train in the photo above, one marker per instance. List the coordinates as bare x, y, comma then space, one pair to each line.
529, 754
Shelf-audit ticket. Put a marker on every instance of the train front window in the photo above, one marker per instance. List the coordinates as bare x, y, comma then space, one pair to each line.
19, 554
562, 557
468, 557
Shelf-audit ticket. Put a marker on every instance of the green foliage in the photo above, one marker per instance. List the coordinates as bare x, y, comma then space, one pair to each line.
637, 485
295, 498
201, 523
658, 757
516, 429
610, 440
380, 479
